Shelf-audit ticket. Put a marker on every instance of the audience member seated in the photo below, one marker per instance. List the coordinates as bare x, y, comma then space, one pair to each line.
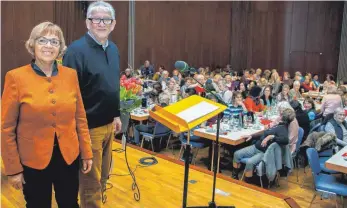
262, 83
257, 74
286, 79
251, 84
157, 75
266, 75
128, 73
266, 98
158, 95
294, 93
187, 83
331, 101
177, 76
255, 153
228, 82
236, 106
310, 108
242, 88
164, 78
225, 93
315, 81
215, 82
307, 85
275, 81
301, 116
298, 77
246, 77
252, 102
338, 126
147, 70
293, 128
284, 96
171, 90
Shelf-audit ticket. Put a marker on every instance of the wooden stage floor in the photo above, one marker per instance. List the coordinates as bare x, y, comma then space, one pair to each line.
161, 186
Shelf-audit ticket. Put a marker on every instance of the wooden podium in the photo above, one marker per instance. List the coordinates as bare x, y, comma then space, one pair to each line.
171, 117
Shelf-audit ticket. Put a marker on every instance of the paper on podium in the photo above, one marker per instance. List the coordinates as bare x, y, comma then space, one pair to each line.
197, 111
186, 113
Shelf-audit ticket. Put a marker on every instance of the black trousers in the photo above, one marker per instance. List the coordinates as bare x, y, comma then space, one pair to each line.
38, 187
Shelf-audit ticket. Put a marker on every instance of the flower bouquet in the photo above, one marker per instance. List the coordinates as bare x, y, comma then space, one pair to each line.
129, 91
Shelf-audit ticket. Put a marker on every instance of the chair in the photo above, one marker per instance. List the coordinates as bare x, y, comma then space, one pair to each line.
159, 131
260, 169
295, 153
325, 184
194, 144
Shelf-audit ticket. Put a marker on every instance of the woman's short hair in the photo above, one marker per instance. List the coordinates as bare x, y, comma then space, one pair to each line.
42, 29
101, 5
288, 115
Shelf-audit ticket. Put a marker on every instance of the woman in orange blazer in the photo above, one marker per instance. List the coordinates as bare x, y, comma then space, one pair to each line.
44, 127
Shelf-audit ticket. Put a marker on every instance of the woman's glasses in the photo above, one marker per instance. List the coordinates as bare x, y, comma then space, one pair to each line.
44, 41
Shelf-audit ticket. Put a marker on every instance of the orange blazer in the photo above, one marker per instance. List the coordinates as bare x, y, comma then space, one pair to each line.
33, 109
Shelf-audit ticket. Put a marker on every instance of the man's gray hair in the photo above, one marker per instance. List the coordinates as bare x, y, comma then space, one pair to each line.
101, 5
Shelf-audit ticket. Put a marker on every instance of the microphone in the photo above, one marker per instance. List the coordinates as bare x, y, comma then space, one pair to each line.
182, 66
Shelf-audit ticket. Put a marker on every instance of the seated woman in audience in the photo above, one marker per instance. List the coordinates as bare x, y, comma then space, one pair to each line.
286, 79
307, 85
262, 83
310, 108
275, 81
215, 82
236, 106
255, 153
172, 91
235, 81
266, 74
315, 81
228, 82
128, 73
284, 96
301, 117
157, 74
164, 78
242, 88
257, 74
293, 128
266, 98
158, 95
252, 102
176, 75
187, 83
338, 126
294, 93
225, 93
331, 101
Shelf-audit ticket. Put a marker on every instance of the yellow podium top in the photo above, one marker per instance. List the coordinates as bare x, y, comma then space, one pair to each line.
169, 116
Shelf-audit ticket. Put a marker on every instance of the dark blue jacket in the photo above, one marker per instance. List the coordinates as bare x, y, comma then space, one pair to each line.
98, 75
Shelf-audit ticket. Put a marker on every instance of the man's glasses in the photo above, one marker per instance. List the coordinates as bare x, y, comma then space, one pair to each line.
98, 21
44, 41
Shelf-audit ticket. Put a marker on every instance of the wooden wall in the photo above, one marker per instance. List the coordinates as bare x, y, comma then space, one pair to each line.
197, 32
293, 36
18, 19
290, 36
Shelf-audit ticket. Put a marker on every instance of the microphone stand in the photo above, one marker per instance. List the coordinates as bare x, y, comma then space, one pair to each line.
216, 145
